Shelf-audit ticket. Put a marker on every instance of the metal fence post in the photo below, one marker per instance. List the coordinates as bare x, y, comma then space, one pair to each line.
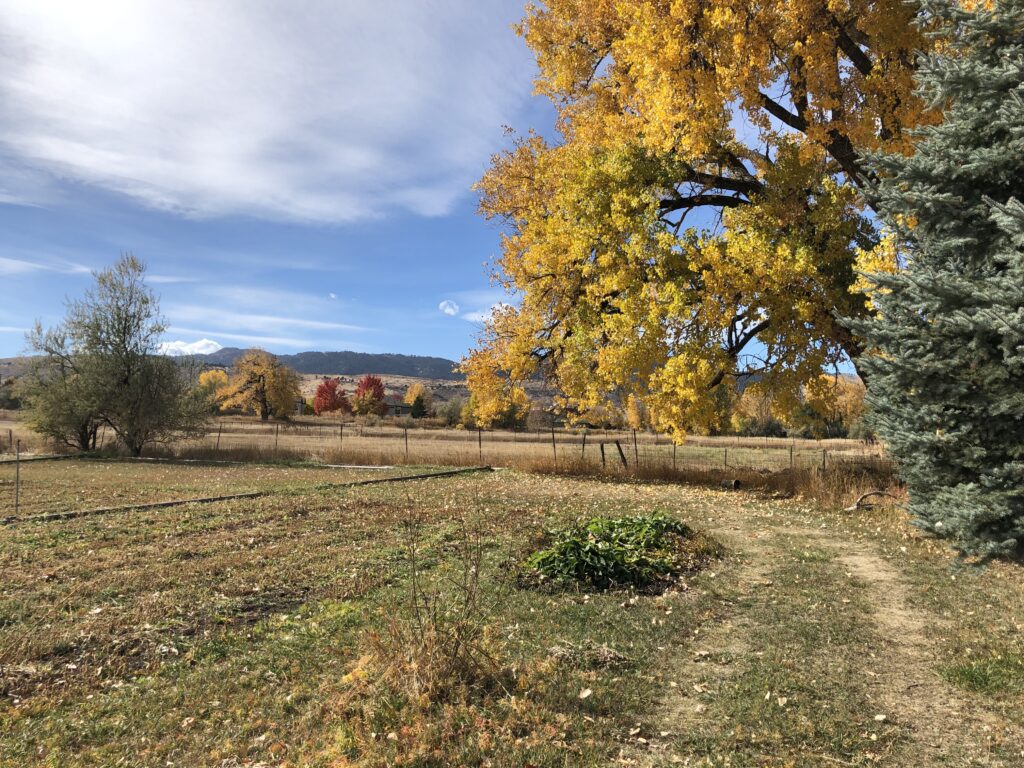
17, 477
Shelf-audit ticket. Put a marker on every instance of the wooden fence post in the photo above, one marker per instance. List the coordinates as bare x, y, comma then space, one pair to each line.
636, 451
554, 449
583, 448
480, 444
406, 443
622, 454
602, 456
220, 428
673, 455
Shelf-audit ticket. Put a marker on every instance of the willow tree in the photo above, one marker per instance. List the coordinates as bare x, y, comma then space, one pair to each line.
697, 216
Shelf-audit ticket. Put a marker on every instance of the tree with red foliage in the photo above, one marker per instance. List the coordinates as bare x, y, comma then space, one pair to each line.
369, 397
330, 397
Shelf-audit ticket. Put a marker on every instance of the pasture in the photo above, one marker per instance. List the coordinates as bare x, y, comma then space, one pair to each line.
261, 631
398, 442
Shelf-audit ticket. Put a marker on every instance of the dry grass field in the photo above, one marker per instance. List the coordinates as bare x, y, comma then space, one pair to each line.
391, 443
262, 632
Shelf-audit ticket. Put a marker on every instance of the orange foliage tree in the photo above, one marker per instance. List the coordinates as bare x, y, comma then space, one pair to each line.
369, 396
330, 397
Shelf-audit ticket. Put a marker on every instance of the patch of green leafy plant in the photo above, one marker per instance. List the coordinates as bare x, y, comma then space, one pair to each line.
608, 552
992, 674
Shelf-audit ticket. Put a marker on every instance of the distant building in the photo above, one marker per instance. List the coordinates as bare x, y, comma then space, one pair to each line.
396, 407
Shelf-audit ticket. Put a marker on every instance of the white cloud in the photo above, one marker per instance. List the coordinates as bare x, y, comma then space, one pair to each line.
325, 111
166, 279
189, 313
178, 348
251, 339
12, 329
21, 267
332, 296
449, 307
482, 316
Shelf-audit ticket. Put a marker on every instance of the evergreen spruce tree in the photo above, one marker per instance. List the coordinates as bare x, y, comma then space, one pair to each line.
946, 378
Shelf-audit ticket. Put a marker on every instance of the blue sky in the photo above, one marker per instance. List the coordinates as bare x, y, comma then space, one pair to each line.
295, 176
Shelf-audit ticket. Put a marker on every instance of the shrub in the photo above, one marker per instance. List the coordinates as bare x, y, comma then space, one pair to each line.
603, 552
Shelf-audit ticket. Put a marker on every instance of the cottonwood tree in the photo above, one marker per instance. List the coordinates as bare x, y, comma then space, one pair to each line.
261, 384
946, 390
697, 217
101, 366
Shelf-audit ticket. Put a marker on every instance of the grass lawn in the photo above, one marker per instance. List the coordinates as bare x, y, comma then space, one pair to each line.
268, 631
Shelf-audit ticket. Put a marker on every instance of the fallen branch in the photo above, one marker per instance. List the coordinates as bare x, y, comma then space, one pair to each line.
859, 503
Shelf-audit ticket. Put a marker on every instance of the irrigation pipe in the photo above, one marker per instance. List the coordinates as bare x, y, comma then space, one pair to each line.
228, 497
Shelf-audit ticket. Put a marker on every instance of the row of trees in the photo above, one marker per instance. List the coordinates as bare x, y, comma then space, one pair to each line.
737, 190
368, 399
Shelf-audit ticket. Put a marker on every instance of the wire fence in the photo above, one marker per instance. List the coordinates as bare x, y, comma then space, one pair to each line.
599, 447
590, 451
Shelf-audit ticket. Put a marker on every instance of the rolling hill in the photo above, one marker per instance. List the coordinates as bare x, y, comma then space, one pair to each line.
350, 363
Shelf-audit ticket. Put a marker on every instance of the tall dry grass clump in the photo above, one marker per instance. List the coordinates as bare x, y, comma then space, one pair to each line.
425, 675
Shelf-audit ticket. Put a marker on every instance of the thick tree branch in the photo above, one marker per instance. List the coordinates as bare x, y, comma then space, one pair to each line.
853, 51
681, 203
782, 114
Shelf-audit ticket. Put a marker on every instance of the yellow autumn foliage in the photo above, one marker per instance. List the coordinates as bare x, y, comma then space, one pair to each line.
698, 214
261, 384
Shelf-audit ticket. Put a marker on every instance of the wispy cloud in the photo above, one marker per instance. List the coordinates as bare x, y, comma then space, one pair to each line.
479, 304
482, 316
22, 267
449, 307
270, 341
348, 110
249, 321
170, 279
12, 329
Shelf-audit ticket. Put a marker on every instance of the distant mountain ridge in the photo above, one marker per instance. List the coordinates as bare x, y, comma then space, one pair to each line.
350, 363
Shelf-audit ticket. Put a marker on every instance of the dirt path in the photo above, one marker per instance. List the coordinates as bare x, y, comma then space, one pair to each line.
944, 726
939, 725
